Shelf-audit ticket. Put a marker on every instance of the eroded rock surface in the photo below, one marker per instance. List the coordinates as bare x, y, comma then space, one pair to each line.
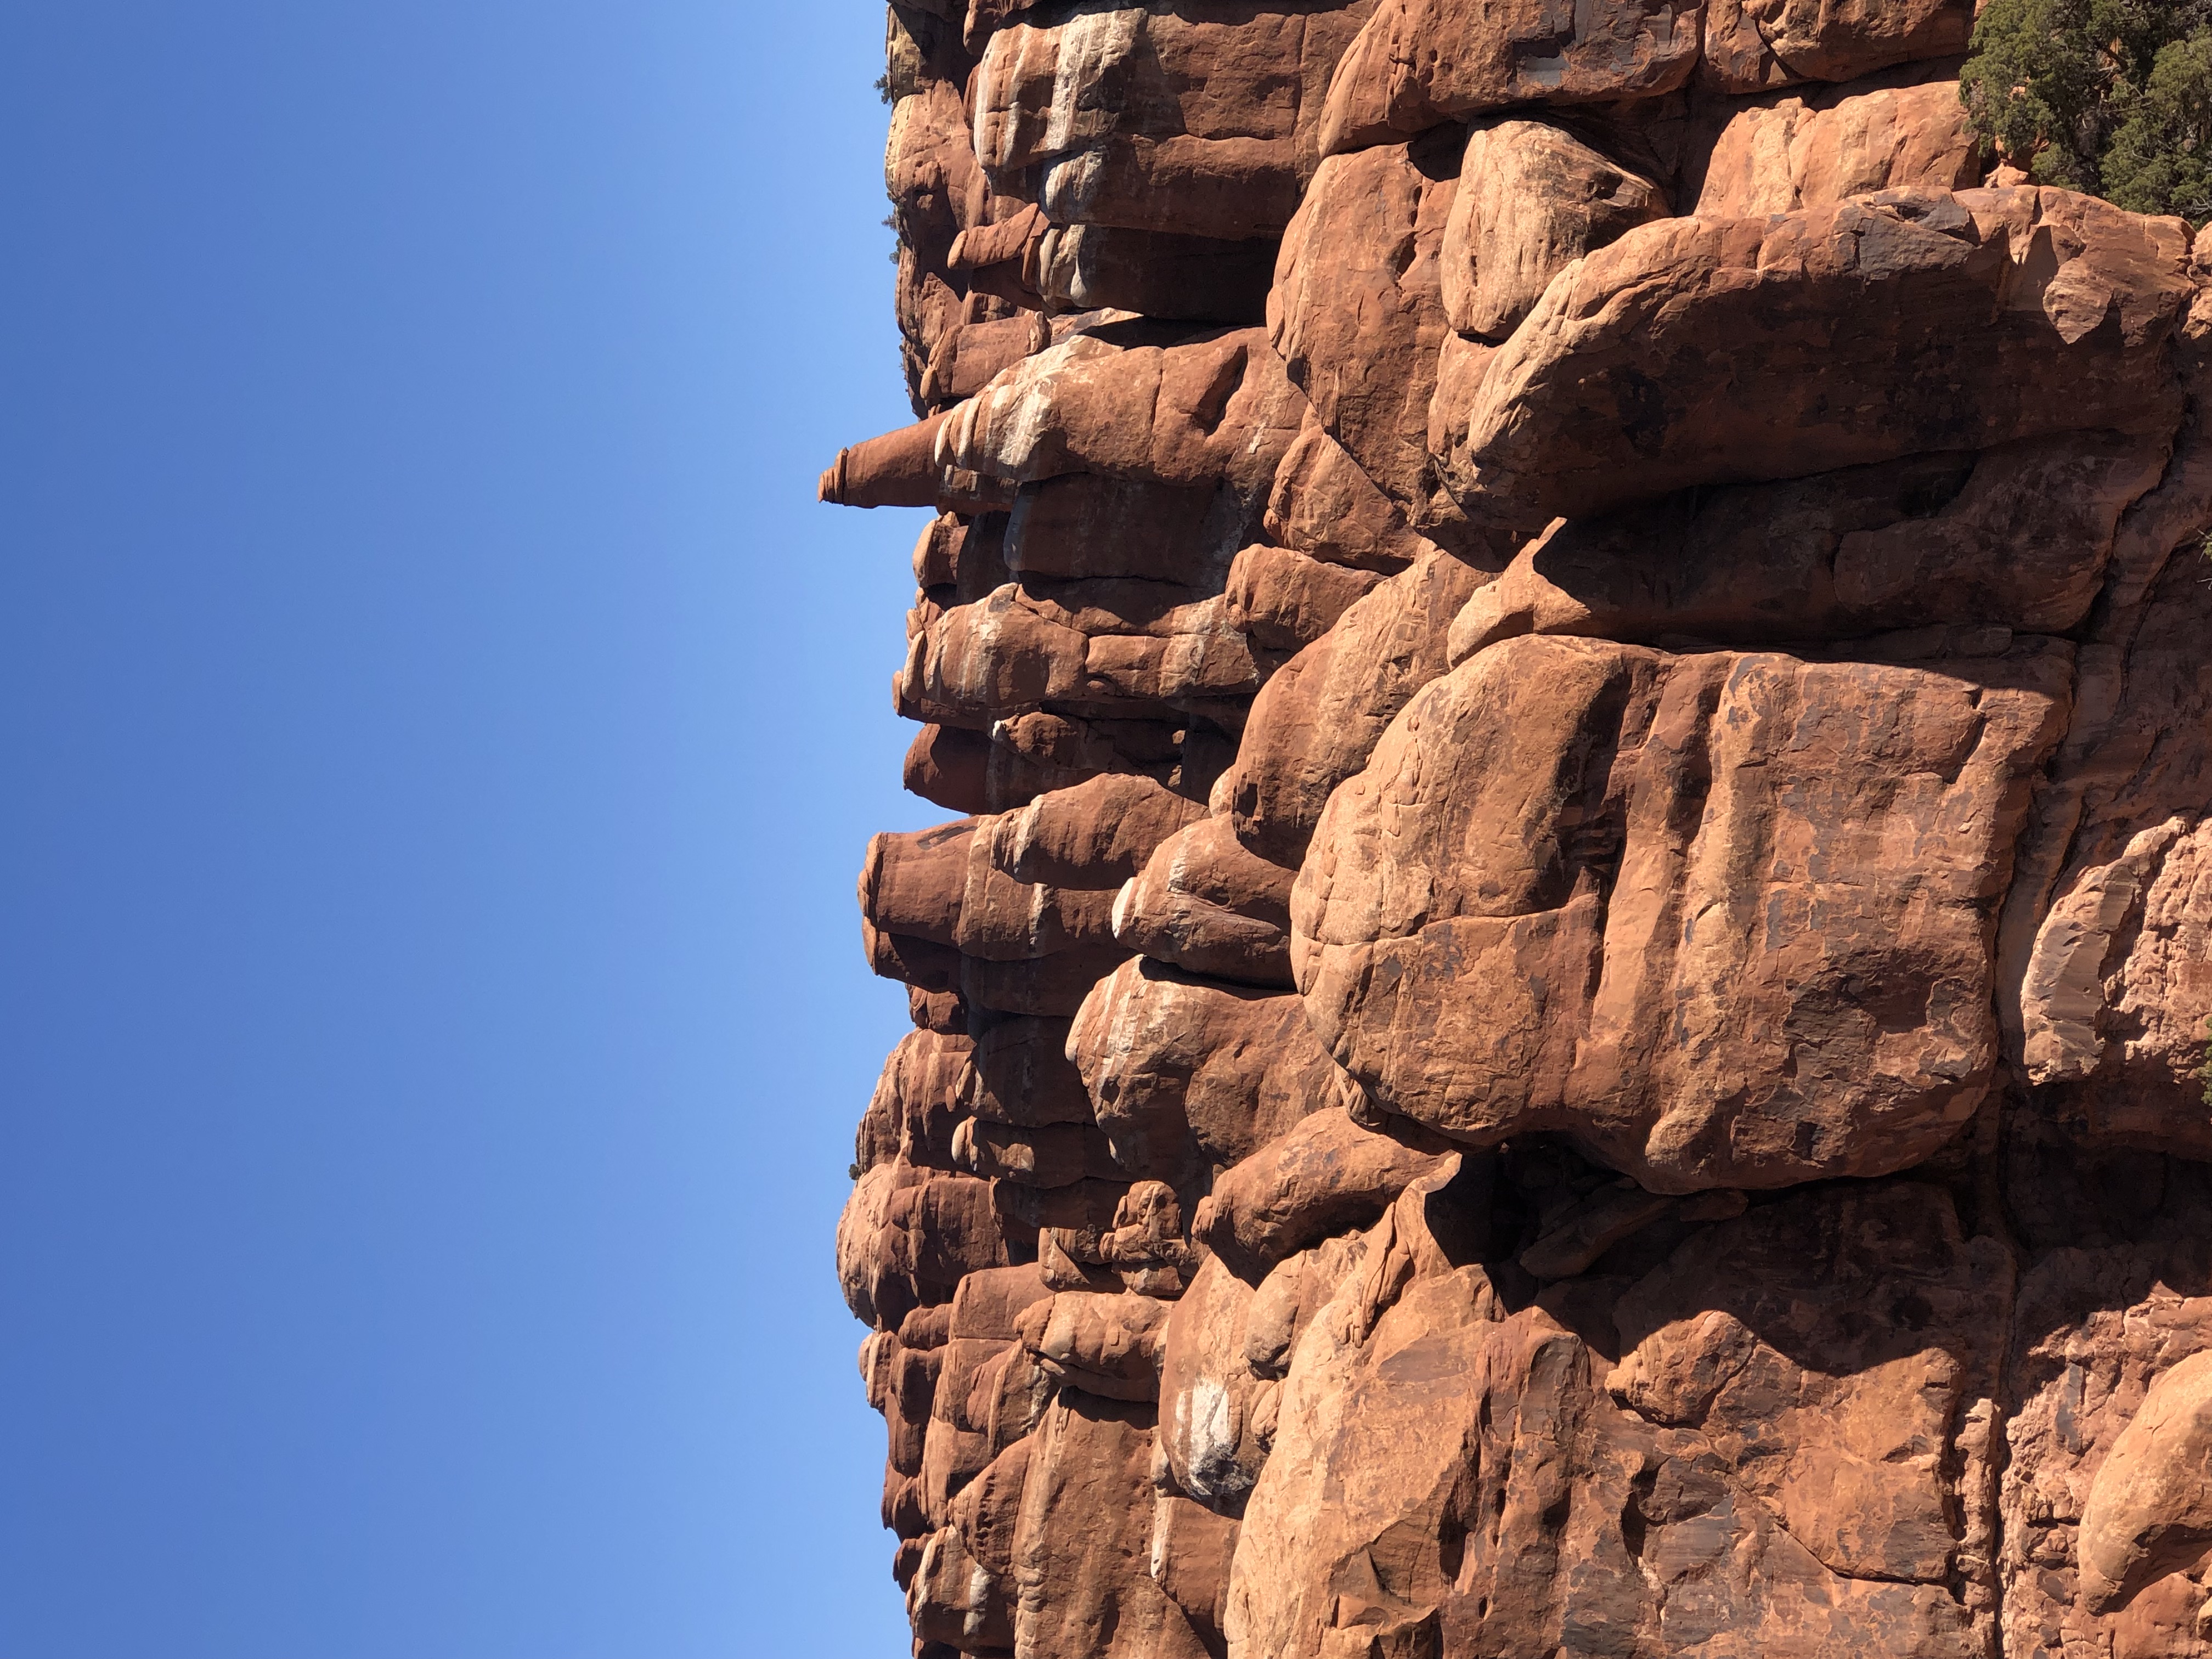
1564, 1012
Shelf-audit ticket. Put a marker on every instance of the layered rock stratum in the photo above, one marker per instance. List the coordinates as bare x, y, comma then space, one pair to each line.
1564, 1016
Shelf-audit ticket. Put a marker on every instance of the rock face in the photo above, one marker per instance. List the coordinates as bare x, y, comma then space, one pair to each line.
1563, 1014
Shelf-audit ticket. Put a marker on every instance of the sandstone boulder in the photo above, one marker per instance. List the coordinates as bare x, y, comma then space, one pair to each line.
1132, 402
1751, 44
942, 886
2150, 1507
1358, 311
1320, 716
1081, 1568
1322, 503
1204, 904
1217, 1417
1097, 835
907, 1236
1285, 600
1189, 1075
1197, 120
967, 356
1114, 649
1696, 351
1326, 1175
1533, 198
2016, 537
1607, 871
1793, 150
1108, 1346
900, 469
966, 772
1419, 63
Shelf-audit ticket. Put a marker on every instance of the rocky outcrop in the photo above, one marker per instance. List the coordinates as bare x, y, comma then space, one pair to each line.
1563, 1014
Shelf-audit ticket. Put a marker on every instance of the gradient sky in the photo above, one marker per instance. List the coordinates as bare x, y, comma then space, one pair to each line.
440, 734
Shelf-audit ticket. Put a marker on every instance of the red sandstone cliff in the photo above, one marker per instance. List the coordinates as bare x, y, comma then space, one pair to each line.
1565, 1018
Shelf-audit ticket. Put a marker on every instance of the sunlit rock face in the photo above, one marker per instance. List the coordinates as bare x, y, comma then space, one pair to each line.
1562, 1010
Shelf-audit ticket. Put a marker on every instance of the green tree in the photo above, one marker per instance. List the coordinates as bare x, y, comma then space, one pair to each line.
2113, 97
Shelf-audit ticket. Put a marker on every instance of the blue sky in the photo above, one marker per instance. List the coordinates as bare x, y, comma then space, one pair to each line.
440, 732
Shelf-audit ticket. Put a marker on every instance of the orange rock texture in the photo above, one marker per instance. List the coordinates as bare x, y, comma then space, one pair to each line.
1562, 1010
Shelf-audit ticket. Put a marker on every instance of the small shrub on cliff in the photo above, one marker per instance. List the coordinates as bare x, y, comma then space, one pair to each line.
2112, 97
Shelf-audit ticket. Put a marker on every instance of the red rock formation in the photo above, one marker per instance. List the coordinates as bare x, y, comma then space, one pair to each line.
1567, 1019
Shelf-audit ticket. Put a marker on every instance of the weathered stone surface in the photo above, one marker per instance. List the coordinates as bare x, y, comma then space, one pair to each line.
900, 469
1189, 1075
1421, 63
2114, 992
1097, 835
954, 1601
1533, 199
2150, 1511
937, 191
900, 1384
1753, 43
2098, 1326
1133, 651
1285, 600
966, 357
1200, 119
918, 1103
1082, 1550
1696, 351
1357, 309
1320, 717
966, 772
1322, 503
1192, 412
1018, 1072
1447, 1473
1192, 1552
1726, 921
1204, 904
1756, 1334
1217, 1418
1108, 1346
1080, 524
1036, 1155
910, 1235
1326, 1175
943, 886
2017, 537
1806, 150
1029, 261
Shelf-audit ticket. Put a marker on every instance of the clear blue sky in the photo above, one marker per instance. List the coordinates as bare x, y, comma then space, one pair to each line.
441, 731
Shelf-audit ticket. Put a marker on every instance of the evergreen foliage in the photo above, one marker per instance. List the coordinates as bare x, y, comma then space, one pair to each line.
2112, 97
